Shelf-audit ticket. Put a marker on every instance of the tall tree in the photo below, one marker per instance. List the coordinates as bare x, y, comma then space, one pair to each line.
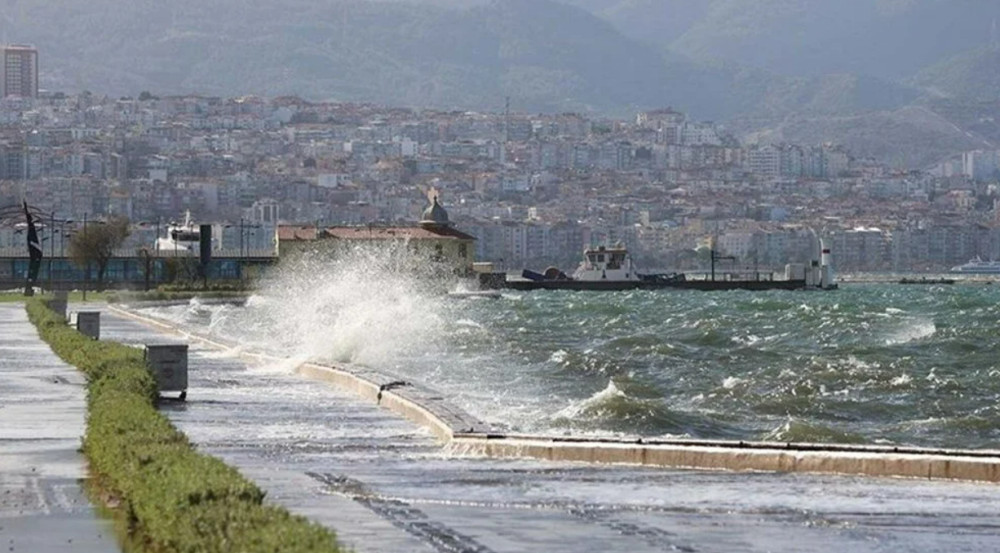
96, 243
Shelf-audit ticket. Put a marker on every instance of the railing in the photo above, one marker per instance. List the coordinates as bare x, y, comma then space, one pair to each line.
229, 253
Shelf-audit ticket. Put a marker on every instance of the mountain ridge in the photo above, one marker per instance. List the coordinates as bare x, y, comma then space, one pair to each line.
718, 59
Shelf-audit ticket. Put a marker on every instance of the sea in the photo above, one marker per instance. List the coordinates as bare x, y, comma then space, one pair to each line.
882, 363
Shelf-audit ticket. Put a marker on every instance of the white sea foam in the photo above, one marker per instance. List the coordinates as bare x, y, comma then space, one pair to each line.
558, 356
748, 340
901, 380
367, 308
731, 382
917, 330
577, 408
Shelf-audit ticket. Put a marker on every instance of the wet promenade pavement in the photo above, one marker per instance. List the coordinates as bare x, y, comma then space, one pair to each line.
43, 507
386, 485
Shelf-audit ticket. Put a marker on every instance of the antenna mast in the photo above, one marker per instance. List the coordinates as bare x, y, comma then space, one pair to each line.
506, 116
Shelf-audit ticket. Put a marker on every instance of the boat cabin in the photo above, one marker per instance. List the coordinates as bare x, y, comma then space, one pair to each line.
606, 264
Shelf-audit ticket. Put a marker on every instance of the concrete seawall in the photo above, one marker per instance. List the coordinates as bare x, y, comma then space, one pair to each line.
463, 434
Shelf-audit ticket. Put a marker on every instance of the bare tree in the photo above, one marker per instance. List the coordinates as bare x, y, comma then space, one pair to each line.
96, 243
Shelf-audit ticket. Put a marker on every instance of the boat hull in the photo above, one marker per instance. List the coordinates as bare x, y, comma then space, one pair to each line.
612, 286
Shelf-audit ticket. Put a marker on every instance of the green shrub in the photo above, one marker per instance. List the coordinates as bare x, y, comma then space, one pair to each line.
169, 497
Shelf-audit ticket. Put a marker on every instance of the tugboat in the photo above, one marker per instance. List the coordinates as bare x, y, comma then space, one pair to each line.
602, 268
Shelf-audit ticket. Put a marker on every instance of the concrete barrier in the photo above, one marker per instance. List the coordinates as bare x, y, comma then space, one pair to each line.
59, 302
731, 456
465, 435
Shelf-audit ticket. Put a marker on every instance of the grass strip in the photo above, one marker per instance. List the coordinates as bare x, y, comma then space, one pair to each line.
76, 296
170, 498
168, 295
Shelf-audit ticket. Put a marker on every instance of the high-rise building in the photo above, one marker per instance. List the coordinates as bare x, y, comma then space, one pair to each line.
19, 74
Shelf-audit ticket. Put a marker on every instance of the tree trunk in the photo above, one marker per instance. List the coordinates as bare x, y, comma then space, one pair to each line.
101, 267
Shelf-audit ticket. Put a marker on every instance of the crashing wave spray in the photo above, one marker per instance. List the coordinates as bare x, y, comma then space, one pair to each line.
364, 304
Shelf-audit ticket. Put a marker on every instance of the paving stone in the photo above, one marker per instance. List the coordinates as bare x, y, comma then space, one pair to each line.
43, 507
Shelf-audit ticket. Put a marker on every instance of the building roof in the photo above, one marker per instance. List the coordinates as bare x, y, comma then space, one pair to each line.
293, 233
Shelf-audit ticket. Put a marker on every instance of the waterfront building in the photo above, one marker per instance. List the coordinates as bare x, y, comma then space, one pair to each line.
434, 240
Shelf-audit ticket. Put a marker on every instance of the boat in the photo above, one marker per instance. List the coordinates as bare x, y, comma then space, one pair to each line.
612, 269
977, 266
602, 268
181, 239
923, 280
475, 294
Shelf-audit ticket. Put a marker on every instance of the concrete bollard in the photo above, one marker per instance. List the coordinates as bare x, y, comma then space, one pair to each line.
88, 323
59, 302
169, 363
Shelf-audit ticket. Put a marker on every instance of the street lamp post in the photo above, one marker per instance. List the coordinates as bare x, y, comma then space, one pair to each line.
52, 245
86, 271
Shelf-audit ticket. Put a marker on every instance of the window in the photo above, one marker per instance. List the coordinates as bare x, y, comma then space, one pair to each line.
463, 250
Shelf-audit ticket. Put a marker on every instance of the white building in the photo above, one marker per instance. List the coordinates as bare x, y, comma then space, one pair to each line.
981, 164
19, 74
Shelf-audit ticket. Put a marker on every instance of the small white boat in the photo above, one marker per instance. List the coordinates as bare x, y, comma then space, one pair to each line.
183, 239
978, 267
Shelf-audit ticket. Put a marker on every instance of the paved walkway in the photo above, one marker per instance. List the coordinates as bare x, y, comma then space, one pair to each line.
385, 485
43, 507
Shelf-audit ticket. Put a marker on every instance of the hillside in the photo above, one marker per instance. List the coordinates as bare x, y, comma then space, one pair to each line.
890, 39
972, 75
754, 64
657, 22
548, 56
911, 137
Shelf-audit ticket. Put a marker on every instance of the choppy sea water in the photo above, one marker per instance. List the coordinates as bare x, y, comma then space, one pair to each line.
877, 363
